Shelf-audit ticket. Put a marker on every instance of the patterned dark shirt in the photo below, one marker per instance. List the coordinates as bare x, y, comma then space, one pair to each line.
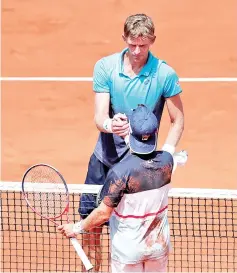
137, 188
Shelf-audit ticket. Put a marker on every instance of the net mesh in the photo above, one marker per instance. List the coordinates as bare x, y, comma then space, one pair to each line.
203, 226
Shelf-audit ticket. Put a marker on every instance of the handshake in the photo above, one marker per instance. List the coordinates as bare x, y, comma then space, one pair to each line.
118, 125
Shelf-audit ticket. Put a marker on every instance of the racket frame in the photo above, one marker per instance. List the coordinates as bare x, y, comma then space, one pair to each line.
74, 241
66, 209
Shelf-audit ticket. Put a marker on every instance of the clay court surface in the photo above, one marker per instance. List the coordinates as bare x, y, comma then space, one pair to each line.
52, 122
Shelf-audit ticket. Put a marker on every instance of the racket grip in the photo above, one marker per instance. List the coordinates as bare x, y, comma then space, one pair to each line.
81, 254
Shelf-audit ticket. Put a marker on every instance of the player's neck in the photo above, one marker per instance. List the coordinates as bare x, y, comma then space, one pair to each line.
131, 66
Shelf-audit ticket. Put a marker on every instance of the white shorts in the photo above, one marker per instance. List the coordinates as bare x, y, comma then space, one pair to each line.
159, 265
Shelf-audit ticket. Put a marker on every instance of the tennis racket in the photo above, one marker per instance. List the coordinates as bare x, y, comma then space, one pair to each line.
51, 202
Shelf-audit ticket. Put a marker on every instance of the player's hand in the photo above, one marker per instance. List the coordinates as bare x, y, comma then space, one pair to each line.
120, 125
67, 230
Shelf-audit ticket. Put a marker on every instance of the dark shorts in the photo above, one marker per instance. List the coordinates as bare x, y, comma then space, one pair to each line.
96, 175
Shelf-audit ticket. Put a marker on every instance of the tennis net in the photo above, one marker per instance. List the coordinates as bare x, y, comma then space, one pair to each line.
203, 226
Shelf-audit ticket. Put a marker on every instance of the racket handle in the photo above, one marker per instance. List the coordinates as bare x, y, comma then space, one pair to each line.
81, 254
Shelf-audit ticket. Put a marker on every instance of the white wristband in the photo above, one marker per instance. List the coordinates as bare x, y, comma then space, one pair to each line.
107, 125
77, 228
168, 148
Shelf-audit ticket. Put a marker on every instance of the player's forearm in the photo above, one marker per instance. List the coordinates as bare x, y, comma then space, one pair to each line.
102, 105
103, 123
95, 219
175, 132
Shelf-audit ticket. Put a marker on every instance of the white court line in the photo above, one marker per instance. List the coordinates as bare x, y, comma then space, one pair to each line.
50, 79
89, 79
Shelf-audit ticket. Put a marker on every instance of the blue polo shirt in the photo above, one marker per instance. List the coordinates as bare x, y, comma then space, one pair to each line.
155, 82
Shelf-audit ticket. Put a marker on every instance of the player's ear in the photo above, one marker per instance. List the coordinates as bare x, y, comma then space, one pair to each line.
153, 39
124, 38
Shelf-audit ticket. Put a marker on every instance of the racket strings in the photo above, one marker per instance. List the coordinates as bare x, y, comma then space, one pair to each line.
46, 203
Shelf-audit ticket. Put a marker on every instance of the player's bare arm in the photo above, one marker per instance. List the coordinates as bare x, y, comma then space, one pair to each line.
176, 114
97, 217
117, 125
102, 101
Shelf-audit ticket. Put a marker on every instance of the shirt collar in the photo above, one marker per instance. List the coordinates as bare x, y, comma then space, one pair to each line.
146, 68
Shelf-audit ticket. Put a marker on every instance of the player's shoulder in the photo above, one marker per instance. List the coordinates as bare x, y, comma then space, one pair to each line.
163, 154
109, 60
163, 157
166, 73
166, 69
162, 67
122, 167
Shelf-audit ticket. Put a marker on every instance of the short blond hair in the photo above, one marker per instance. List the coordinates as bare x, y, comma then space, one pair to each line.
139, 25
